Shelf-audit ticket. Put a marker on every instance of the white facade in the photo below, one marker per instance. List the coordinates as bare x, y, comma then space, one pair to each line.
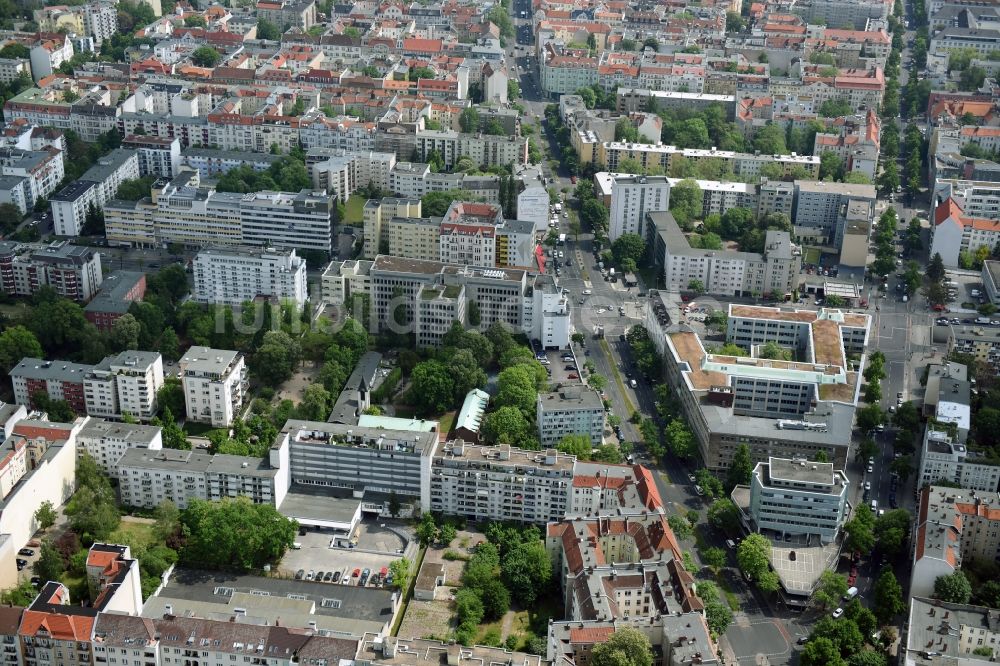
124, 384
631, 198
107, 441
572, 410
798, 497
215, 382
547, 315
533, 205
230, 277
944, 459
70, 206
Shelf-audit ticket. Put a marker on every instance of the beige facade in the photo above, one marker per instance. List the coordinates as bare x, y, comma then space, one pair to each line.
376, 213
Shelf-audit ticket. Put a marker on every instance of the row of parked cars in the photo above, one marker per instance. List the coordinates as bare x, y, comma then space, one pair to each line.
358, 576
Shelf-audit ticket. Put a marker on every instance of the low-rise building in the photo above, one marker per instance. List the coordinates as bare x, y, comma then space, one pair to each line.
118, 292
570, 410
215, 384
943, 632
953, 232
231, 276
980, 342
744, 165
943, 458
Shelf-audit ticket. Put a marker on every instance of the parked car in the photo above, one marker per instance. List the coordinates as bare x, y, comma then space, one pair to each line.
27, 552
336, 577
300, 574
572, 375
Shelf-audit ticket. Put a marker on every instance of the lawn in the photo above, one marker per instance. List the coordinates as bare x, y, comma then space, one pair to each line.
447, 421
198, 429
812, 256
354, 211
133, 534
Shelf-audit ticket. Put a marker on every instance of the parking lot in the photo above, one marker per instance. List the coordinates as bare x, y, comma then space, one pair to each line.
561, 371
376, 547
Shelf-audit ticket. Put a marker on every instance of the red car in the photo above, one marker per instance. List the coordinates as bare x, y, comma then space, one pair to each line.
572, 179
572, 375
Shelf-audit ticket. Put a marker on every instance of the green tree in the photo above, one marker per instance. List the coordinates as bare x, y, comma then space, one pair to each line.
724, 515
267, 30
206, 56
714, 557
888, 597
17, 343
935, 270
831, 166
860, 530
628, 246
740, 468
576, 445
686, 202
821, 652
125, 333
276, 358
954, 588
770, 140
446, 534
400, 570
832, 587
167, 520
626, 647
49, 565
427, 530
707, 481
680, 439
234, 534
45, 515
526, 571
506, 425
469, 120
869, 417
754, 556
835, 108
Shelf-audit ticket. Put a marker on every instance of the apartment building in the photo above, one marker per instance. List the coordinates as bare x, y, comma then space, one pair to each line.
379, 211
215, 383
211, 162
546, 313
146, 478
288, 13
944, 458
799, 497
954, 232
744, 165
41, 171
37, 464
73, 271
980, 342
107, 441
168, 637
717, 196
341, 172
158, 156
838, 13
486, 150
632, 197
117, 293
48, 53
775, 271
360, 460
820, 208
182, 212
96, 187
946, 632
952, 525
982, 40
785, 409
856, 141
231, 277
60, 380
124, 384
569, 410
500, 482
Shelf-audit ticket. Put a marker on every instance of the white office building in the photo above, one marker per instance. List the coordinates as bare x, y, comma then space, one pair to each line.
798, 497
631, 198
106, 441
232, 276
570, 410
944, 458
124, 384
215, 383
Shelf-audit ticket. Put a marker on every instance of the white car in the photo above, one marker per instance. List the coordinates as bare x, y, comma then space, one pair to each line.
868, 485
837, 613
